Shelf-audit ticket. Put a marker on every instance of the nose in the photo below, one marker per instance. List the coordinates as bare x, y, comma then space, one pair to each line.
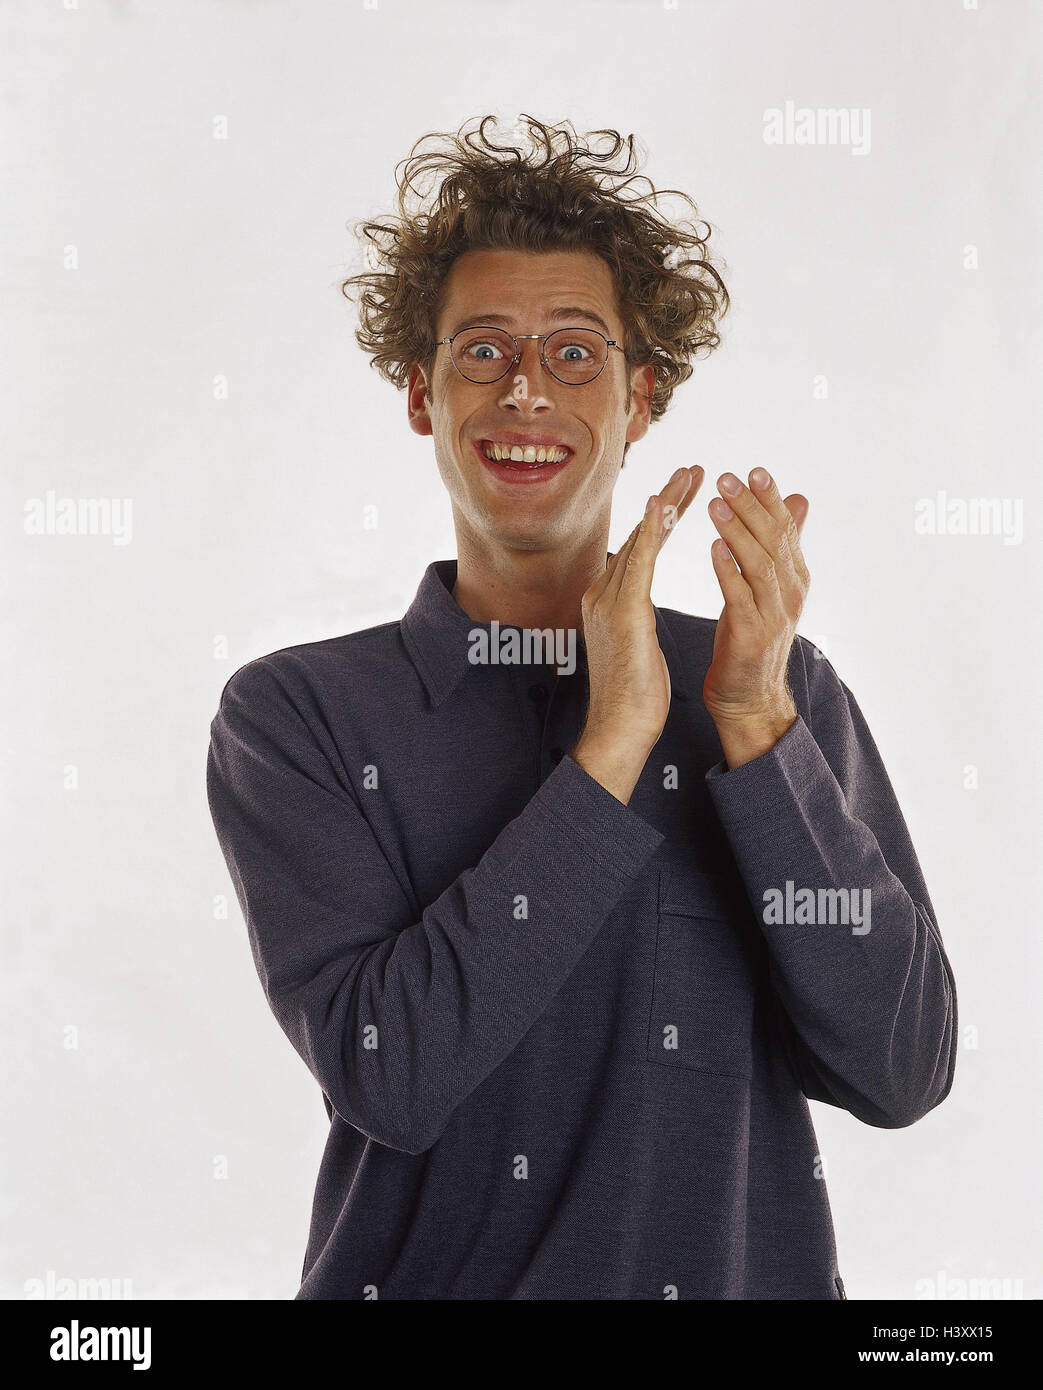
519, 389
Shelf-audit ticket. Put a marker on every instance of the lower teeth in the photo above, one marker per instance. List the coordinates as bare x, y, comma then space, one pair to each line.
520, 463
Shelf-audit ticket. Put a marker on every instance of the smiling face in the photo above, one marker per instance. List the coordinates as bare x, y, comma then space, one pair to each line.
560, 503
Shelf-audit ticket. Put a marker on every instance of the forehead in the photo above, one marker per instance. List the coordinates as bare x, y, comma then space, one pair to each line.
526, 287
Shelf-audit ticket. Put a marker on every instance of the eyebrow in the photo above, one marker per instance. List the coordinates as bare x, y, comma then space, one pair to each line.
568, 311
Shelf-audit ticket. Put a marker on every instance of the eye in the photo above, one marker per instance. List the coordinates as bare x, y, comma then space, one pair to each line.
483, 351
572, 352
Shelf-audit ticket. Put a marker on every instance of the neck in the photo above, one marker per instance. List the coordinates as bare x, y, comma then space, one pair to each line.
528, 588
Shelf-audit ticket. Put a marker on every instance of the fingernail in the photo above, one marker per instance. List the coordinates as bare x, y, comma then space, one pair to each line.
722, 510
674, 477
730, 484
759, 478
651, 503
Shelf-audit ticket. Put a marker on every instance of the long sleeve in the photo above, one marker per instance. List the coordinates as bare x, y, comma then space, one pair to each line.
871, 1015
399, 1019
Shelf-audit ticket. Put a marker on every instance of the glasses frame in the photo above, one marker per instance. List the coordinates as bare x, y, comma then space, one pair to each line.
517, 339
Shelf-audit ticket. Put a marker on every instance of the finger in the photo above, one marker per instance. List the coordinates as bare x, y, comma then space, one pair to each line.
759, 568
738, 596
777, 528
798, 507
766, 518
634, 577
676, 496
763, 516
625, 551
687, 486
793, 509
601, 584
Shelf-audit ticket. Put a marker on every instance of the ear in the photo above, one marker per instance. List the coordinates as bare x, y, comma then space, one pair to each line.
642, 387
419, 401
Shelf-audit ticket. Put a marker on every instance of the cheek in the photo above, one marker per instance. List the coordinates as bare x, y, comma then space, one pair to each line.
611, 406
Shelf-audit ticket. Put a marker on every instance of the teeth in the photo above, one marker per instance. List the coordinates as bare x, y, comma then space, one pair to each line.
529, 454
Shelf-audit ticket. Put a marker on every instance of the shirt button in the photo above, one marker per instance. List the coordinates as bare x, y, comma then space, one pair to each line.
538, 692
556, 754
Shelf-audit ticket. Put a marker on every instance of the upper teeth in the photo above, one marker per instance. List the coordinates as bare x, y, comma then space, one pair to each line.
528, 454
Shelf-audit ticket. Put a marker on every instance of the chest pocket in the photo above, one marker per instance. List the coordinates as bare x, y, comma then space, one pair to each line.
705, 975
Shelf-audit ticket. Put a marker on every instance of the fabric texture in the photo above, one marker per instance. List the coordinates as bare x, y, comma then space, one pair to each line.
564, 1049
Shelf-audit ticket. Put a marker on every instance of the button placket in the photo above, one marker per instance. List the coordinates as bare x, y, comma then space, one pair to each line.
552, 698
563, 728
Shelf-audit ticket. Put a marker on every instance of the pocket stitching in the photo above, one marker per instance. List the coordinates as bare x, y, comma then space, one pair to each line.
664, 909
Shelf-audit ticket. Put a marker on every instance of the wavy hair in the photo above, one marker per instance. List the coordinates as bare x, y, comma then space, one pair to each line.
560, 193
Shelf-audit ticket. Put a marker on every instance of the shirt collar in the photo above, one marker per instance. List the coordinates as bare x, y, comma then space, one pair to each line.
436, 632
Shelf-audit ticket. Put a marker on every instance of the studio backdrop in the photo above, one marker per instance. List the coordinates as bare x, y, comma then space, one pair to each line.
201, 467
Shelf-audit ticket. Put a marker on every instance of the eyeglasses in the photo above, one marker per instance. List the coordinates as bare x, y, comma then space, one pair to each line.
485, 354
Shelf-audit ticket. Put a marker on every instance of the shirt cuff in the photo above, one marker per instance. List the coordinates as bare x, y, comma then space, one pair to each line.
618, 838
788, 745
757, 798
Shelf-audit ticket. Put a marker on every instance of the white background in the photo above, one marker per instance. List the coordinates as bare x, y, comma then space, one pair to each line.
196, 258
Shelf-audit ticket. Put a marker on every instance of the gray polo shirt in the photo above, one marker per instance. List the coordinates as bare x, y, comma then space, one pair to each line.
564, 1044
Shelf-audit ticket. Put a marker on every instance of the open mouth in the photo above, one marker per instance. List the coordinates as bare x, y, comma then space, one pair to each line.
524, 456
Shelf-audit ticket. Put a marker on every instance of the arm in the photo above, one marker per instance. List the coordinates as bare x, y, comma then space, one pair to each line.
400, 1019
871, 1017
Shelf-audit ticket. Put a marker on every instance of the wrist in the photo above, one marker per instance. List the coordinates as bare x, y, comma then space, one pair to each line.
613, 763
611, 743
744, 739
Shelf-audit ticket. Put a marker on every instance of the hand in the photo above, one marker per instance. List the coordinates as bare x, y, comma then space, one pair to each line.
629, 680
764, 588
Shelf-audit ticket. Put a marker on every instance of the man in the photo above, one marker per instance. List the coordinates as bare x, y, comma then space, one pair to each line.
567, 943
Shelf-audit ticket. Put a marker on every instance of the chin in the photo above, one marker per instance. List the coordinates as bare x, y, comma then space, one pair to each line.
525, 538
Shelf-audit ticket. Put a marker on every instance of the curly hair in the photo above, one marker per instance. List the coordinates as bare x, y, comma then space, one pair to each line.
560, 194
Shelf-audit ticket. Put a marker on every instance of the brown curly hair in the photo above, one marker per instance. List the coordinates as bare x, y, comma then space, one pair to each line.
562, 194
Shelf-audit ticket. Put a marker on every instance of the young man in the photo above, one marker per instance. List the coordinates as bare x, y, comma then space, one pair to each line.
568, 943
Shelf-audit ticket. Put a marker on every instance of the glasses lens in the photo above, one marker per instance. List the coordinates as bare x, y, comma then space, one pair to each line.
483, 354
575, 354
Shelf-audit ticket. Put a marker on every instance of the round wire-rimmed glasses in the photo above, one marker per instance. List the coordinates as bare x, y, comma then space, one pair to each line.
591, 346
